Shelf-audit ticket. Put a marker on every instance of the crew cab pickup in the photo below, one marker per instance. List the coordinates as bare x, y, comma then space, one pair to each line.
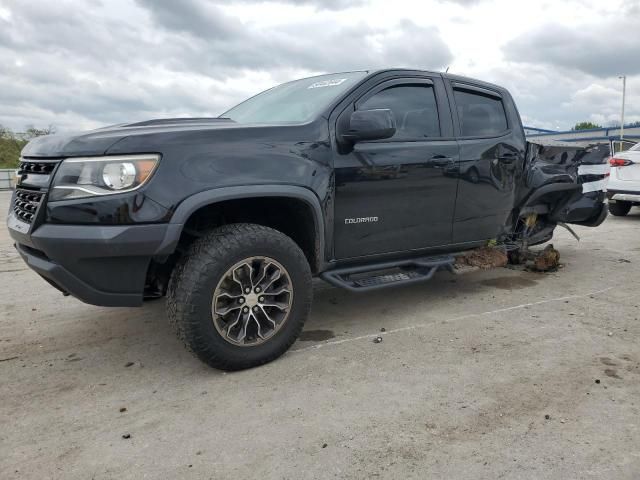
364, 179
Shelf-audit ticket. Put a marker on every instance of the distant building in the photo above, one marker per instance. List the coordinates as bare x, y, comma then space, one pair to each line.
535, 131
581, 137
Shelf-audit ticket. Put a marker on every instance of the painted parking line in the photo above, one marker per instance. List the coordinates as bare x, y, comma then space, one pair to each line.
450, 320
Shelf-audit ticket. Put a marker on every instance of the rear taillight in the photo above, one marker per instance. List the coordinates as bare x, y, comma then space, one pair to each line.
619, 162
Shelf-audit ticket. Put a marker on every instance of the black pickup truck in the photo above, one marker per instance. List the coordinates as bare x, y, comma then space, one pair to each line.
364, 179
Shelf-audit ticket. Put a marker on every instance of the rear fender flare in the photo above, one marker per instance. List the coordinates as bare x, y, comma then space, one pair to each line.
549, 188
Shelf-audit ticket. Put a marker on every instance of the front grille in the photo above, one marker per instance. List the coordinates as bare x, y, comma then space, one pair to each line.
26, 204
43, 167
34, 177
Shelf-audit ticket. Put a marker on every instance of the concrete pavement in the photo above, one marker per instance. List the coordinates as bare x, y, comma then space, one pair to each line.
493, 374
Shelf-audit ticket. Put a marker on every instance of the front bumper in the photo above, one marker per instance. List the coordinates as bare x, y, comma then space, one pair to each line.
99, 265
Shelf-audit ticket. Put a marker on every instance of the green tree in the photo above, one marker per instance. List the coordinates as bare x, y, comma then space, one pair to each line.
11, 144
10, 147
33, 132
586, 126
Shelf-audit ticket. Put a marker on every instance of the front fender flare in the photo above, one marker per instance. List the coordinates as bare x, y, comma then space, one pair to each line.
208, 197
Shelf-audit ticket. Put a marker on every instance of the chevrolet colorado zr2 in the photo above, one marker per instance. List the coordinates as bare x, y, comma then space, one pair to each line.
365, 179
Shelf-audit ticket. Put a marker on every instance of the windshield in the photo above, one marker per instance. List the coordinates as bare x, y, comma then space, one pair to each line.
294, 102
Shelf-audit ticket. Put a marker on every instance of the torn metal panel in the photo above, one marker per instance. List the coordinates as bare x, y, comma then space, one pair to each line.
597, 186
601, 169
561, 184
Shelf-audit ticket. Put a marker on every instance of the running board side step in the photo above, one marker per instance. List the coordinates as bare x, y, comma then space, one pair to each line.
402, 272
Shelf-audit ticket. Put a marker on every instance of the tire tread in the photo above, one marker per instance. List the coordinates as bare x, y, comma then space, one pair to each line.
185, 287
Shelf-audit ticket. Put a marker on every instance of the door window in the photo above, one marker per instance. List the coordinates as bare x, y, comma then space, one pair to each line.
414, 108
480, 115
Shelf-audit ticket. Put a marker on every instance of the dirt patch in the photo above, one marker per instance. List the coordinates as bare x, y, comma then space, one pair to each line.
612, 372
316, 335
484, 257
509, 283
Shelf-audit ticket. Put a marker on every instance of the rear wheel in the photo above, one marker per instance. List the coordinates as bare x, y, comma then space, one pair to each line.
240, 296
473, 176
619, 209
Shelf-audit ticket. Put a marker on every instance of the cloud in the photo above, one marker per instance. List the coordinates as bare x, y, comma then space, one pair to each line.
589, 48
601, 102
79, 65
314, 45
569, 72
200, 17
79, 68
464, 3
563, 99
318, 4
119, 61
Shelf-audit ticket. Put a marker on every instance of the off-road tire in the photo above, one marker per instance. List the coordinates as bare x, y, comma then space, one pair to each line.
194, 279
619, 209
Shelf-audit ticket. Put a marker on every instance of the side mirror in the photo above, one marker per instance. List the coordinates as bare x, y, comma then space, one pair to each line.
370, 125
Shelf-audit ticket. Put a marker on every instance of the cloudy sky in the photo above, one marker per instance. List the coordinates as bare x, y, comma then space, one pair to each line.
79, 64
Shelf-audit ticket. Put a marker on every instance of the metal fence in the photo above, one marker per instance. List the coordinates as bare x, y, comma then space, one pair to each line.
7, 178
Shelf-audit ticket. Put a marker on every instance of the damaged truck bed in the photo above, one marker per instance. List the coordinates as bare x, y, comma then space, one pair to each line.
561, 184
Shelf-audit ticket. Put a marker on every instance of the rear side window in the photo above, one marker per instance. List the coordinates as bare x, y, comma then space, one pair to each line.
480, 115
414, 107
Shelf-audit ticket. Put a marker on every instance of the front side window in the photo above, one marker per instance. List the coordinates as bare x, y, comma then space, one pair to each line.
480, 115
414, 108
294, 102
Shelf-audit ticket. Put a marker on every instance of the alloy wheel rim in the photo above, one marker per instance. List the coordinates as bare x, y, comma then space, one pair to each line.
252, 301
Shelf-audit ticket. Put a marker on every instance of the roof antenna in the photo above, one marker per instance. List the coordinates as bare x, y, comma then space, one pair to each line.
447, 70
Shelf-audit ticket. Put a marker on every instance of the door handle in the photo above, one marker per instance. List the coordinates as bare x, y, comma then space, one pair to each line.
441, 161
507, 158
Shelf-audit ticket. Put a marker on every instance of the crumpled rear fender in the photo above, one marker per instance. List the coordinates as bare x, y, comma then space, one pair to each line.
565, 182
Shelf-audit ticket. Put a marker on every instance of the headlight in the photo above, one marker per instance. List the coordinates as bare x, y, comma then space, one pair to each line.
95, 176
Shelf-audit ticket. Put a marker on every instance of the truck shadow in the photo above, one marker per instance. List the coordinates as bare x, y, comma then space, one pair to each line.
344, 313
103, 342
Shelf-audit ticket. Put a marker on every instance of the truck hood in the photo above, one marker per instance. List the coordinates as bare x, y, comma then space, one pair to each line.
98, 142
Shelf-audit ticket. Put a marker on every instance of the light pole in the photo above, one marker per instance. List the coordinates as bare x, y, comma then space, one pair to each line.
624, 92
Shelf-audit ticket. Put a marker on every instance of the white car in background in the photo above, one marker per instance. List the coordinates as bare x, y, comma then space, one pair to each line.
623, 189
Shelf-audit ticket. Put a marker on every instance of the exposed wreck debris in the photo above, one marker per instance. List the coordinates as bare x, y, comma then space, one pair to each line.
545, 260
561, 184
483, 258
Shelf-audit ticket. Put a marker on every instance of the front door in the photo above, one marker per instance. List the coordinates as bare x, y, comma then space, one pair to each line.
399, 194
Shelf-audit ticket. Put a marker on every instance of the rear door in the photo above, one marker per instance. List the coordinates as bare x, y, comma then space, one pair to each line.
398, 194
491, 144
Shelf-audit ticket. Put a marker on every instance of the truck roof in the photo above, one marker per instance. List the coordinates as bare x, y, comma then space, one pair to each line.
449, 76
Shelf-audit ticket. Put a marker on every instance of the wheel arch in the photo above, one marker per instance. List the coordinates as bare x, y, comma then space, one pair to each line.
209, 198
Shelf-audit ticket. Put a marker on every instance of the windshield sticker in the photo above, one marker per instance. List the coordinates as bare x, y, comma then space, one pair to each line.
327, 83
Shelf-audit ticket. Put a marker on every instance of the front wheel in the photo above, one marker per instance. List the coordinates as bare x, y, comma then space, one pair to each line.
619, 209
240, 296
